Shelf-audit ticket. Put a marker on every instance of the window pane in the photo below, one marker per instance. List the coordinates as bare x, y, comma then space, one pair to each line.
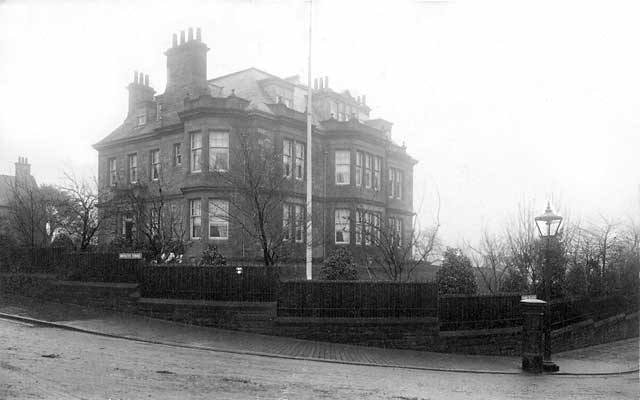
218, 219
343, 167
342, 226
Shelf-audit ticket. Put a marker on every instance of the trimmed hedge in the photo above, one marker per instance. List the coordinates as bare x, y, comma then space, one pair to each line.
357, 299
462, 312
222, 283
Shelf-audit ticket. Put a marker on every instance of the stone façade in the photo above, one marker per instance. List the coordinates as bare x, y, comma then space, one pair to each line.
252, 100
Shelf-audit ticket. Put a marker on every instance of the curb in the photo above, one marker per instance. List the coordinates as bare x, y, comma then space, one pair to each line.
286, 357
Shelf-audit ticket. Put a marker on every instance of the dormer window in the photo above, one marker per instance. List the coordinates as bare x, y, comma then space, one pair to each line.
141, 118
283, 100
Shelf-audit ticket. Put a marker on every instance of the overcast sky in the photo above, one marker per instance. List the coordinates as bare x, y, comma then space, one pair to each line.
502, 103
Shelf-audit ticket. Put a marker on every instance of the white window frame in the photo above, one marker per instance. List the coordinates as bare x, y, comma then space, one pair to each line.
342, 218
113, 171
177, 154
300, 148
196, 152
287, 153
359, 157
219, 218
339, 166
360, 227
133, 167
154, 160
367, 171
195, 219
377, 169
287, 226
299, 227
218, 148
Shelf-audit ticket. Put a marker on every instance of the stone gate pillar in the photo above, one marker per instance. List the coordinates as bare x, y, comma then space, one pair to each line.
532, 334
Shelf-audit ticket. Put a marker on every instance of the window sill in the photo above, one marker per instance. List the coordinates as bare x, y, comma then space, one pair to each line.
218, 239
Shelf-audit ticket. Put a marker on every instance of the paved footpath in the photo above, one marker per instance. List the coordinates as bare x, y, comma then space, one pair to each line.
613, 358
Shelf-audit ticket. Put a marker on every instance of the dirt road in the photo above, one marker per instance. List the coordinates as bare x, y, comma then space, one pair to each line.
46, 363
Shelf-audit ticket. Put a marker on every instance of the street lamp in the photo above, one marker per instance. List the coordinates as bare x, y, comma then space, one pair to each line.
548, 226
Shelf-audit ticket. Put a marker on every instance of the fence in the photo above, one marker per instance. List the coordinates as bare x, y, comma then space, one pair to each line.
357, 299
249, 283
460, 312
572, 310
30, 259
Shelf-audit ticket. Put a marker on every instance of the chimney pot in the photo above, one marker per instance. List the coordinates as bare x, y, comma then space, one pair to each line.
146, 80
181, 37
326, 82
135, 76
174, 40
198, 34
315, 83
321, 83
364, 99
190, 34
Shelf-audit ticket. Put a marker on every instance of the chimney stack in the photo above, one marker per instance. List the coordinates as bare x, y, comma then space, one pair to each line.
139, 90
186, 68
23, 170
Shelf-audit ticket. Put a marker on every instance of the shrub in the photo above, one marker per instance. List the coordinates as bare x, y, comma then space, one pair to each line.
456, 274
339, 266
211, 257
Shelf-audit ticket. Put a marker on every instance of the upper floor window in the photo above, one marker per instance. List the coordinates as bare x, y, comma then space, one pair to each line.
367, 171
158, 112
219, 151
284, 100
342, 226
141, 118
133, 168
113, 171
195, 218
177, 154
377, 165
395, 183
299, 210
218, 219
358, 168
299, 161
343, 167
196, 152
154, 158
287, 146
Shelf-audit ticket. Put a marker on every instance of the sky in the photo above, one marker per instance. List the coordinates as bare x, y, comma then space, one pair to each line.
504, 104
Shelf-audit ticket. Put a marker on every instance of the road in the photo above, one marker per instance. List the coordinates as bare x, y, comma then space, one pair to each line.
50, 363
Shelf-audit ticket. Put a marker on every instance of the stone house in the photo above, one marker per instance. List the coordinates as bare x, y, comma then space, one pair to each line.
180, 136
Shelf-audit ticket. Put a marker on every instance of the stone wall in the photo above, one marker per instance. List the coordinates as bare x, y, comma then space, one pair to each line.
260, 317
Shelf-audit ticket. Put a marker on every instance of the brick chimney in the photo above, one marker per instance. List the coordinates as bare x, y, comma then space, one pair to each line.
186, 68
139, 91
23, 170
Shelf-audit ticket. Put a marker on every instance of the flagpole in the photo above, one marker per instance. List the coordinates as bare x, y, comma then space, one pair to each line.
309, 248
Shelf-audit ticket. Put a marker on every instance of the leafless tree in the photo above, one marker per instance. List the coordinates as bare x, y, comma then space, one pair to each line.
398, 251
489, 259
80, 215
258, 189
35, 212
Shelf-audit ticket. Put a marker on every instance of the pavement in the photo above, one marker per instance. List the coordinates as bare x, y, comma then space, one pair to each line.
608, 359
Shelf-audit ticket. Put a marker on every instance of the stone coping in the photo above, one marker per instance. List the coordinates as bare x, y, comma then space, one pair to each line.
110, 285
482, 332
208, 303
355, 321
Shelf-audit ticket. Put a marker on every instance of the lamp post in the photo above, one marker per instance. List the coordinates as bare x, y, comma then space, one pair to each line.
548, 226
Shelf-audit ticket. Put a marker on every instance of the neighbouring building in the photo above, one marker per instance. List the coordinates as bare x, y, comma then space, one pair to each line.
181, 135
9, 184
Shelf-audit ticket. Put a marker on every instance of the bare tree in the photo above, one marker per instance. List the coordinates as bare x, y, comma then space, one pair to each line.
398, 251
258, 189
489, 259
80, 220
35, 212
